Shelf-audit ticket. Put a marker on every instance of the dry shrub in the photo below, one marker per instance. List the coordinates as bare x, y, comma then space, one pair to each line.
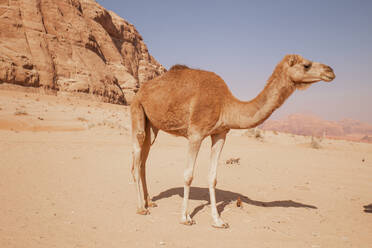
233, 161
315, 143
258, 134
20, 112
108, 124
255, 133
82, 119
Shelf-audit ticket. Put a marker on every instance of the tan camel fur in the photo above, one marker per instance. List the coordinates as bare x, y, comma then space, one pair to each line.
196, 104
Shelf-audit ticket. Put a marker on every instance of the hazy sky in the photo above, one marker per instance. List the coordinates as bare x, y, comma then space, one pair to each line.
242, 41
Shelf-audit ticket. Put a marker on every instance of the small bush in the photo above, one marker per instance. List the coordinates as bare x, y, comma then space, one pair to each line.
255, 133
233, 161
20, 112
258, 134
315, 143
82, 119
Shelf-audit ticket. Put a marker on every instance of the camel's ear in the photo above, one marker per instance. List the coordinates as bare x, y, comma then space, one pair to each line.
292, 59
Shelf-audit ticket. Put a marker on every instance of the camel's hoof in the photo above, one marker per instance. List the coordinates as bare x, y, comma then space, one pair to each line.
152, 204
188, 222
222, 225
143, 211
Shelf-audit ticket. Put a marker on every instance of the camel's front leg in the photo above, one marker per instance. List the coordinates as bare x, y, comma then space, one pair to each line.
194, 145
218, 140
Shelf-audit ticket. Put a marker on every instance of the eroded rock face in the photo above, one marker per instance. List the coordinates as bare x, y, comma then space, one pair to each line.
72, 46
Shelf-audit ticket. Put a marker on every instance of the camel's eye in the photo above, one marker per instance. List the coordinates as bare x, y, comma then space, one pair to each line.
307, 66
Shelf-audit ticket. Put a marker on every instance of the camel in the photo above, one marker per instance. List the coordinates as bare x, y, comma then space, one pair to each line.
195, 104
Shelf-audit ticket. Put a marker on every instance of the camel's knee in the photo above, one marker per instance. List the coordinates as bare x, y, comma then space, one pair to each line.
188, 178
212, 180
140, 136
188, 181
139, 139
213, 183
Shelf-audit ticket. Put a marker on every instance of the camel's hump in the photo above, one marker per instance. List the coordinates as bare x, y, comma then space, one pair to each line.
178, 67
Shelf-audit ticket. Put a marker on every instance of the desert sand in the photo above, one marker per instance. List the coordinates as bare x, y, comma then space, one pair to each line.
65, 182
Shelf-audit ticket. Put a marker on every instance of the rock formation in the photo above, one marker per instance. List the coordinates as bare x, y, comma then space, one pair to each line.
72, 46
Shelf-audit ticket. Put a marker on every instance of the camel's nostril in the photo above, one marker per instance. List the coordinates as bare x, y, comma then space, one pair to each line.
329, 69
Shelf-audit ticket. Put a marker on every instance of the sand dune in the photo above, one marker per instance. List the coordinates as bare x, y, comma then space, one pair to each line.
65, 182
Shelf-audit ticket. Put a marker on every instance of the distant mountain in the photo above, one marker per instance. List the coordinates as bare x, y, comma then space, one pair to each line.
312, 125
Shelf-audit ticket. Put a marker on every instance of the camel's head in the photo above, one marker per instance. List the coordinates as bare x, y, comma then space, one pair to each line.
303, 72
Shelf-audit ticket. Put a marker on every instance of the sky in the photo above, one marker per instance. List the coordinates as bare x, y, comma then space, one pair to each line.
242, 41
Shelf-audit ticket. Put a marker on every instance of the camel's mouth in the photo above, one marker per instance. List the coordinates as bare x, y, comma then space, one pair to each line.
328, 77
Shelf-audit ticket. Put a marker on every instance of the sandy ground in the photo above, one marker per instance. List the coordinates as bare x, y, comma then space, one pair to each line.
65, 182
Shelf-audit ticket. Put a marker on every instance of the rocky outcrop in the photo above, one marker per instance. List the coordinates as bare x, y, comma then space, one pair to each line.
72, 46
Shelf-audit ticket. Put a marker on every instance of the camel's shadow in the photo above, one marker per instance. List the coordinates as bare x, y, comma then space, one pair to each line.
224, 197
368, 208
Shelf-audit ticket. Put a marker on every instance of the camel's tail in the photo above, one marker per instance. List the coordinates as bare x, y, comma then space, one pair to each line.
141, 125
154, 133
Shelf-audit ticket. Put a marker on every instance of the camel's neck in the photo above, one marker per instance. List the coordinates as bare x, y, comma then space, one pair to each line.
242, 115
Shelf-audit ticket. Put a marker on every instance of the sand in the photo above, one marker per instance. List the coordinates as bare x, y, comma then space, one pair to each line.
65, 182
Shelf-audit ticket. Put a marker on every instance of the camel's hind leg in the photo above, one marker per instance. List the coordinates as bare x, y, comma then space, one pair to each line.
144, 154
138, 142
